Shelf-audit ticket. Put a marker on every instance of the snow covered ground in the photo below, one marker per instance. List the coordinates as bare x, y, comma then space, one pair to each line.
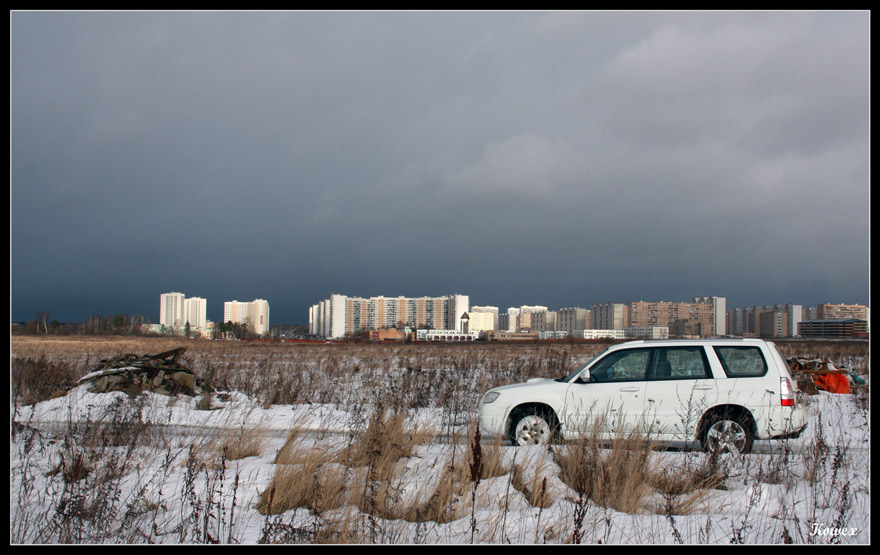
815, 489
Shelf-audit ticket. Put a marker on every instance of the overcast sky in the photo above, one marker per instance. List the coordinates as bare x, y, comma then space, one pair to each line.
521, 158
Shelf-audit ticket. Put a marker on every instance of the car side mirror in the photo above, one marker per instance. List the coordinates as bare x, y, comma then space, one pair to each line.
584, 375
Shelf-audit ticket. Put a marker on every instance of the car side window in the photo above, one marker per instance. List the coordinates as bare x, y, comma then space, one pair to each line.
680, 363
742, 362
621, 366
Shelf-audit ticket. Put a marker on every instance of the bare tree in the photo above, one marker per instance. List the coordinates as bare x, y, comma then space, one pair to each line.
93, 324
135, 322
43, 321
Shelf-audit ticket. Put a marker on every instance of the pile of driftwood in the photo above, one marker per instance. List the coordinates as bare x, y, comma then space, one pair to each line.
163, 373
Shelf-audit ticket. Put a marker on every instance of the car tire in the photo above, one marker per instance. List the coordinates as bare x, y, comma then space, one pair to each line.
728, 434
532, 427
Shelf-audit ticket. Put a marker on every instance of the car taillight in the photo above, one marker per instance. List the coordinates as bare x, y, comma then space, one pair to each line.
787, 393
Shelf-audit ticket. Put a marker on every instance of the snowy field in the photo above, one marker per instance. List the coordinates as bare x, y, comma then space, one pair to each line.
107, 468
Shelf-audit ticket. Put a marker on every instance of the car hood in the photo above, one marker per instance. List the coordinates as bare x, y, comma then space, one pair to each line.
534, 384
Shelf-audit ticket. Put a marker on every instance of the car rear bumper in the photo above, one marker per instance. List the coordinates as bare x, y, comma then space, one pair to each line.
784, 423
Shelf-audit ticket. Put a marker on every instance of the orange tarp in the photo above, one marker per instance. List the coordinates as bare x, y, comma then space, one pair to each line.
835, 383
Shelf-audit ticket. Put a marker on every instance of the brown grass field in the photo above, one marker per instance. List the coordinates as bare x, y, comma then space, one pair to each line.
403, 374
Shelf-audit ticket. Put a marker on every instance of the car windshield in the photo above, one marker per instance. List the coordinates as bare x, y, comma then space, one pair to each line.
569, 377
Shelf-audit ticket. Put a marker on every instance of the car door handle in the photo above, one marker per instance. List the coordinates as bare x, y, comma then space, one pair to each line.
704, 387
629, 389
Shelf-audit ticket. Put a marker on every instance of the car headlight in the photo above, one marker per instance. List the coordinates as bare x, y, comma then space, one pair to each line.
489, 397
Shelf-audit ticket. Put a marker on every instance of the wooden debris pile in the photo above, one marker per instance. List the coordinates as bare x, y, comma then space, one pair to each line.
817, 374
163, 373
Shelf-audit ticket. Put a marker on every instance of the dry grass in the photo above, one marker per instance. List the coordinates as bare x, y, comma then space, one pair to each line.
685, 489
534, 488
242, 443
386, 440
37, 378
370, 474
398, 376
313, 483
403, 375
616, 476
623, 473
364, 472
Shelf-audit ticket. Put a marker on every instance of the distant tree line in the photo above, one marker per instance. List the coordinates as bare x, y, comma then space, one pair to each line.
133, 324
95, 324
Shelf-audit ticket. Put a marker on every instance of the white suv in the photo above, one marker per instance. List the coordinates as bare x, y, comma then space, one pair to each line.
723, 393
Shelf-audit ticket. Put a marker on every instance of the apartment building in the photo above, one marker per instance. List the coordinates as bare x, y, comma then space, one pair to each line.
259, 316
774, 324
176, 311
506, 322
543, 321
483, 319
836, 320
341, 315
195, 312
572, 318
842, 312
520, 318
329, 318
608, 316
719, 312
684, 319
235, 312
701, 317
765, 321
255, 314
172, 309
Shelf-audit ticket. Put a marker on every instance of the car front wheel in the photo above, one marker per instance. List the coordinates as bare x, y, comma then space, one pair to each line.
532, 428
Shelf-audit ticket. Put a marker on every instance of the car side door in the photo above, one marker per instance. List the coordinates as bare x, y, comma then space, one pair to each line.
612, 402
680, 388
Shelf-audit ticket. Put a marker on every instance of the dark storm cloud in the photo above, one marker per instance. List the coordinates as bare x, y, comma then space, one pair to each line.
559, 158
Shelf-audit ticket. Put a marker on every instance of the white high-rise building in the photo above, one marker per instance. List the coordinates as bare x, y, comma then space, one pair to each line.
172, 309
235, 312
254, 314
336, 324
258, 314
195, 312
458, 307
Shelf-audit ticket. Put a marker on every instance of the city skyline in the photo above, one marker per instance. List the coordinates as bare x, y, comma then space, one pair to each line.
341, 316
183, 306
521, 157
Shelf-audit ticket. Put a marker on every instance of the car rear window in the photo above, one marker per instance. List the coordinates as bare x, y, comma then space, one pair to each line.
742, 362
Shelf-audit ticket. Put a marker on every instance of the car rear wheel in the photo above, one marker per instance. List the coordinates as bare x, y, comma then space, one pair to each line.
532, 427
728, 434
